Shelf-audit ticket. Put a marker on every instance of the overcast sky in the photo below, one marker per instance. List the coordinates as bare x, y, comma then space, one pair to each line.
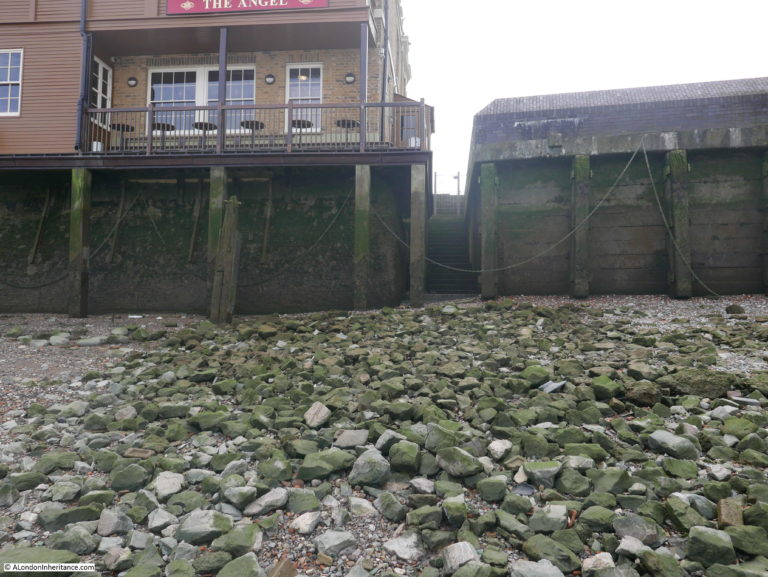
466, 53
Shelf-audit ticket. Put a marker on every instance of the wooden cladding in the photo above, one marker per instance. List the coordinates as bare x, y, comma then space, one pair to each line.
49, 93
119, 9
105, 10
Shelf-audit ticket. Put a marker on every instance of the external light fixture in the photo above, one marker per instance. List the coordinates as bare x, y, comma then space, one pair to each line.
350, 78
270, 79
133, 82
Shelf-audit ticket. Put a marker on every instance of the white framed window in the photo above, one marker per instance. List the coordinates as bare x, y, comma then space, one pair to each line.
173, 88
101, 89
305, 86
241, 89
10, 82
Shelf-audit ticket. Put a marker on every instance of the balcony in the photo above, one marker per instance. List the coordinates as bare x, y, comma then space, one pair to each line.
250, 129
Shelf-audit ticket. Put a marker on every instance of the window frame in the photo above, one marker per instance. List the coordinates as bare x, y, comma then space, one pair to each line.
232, 101
201, 90
10, 83
317, 126
96, 90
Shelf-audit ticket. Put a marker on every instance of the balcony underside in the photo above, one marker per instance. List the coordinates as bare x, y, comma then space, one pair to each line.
246, 38
204, 160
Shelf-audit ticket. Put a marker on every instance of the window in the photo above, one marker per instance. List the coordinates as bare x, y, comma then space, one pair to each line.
10, 82
409, 131
305, 86
101, 89
173, 89
199, 87
241, 90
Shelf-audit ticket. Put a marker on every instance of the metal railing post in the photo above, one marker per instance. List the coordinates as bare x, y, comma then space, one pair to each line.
221, 134
149, 121
363, 127
423, 125
289, 127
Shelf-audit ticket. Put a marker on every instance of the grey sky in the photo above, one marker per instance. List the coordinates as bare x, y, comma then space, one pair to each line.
466, 53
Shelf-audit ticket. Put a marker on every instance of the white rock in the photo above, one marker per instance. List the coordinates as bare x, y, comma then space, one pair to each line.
268, 502
317, 415
499, 448
139, 540
520, 476
599, 561
113, 521
719, 472
730, 440
407, 547
361, 507
168, 483
422, 485
107, 543
630, 547
723, 411
306, 523
457, 555
238, 467
487, 464
159, 519
637, 489
333, 542
124, 413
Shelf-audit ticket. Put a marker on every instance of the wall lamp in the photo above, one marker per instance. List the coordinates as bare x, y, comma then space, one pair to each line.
350, 78
270, 79
133, 82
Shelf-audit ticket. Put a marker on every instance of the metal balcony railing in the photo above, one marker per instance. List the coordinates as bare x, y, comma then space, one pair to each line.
250, 129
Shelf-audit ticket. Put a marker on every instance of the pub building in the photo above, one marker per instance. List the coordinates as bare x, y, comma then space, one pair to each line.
214, 156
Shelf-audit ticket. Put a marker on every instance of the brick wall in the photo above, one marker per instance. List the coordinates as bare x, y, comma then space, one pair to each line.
336, 64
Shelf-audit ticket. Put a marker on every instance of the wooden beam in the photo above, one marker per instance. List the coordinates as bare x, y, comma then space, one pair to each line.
764, 207
118, 220
226, 266
681, 285
195, 220
362, 248
418, 234
79, 242
217, 194
489, 184
36, 245
580, 193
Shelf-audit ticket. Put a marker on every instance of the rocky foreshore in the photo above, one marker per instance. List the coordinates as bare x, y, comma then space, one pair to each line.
608, 438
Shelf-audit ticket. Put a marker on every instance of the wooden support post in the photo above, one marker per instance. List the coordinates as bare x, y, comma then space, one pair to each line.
488, 242
226, 265
217, 194
195, 219
79, 242
681, 285
362, 250
418, 233
36, 245
764, 206
267, 222
580, 192
118, 220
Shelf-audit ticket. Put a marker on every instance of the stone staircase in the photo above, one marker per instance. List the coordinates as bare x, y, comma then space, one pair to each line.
447, 244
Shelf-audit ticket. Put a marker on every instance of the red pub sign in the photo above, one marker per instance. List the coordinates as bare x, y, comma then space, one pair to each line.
209, 6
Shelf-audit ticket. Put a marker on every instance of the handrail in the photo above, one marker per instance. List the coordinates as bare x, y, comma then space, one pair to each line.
287, 128
367, 105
